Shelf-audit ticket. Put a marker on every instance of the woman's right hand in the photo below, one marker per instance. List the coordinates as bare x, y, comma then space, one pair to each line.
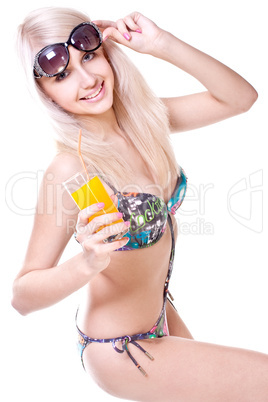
94, 243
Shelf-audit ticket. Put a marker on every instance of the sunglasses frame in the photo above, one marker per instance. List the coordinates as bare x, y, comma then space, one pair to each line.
37, 69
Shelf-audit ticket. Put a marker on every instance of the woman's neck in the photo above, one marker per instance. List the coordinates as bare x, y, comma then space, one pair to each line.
104, 125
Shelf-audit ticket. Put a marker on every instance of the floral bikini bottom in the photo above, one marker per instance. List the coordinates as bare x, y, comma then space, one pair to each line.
160, 329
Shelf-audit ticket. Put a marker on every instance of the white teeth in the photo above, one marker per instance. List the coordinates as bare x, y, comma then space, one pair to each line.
95, 93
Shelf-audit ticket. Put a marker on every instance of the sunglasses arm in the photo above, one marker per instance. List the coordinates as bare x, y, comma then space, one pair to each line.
36, 74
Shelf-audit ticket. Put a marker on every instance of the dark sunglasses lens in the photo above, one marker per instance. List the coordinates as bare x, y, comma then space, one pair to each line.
85, 38
53, 59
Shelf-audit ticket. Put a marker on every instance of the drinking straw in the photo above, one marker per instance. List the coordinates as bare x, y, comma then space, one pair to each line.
85, 168
80, 154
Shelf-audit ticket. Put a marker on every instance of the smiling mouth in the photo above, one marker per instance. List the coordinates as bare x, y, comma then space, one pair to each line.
95, 93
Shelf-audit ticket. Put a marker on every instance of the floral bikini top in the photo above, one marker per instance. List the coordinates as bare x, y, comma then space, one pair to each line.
148, 214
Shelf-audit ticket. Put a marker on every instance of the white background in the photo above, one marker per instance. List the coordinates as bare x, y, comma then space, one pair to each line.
220, 279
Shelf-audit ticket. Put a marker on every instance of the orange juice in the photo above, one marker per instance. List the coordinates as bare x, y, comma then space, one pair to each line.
94, 192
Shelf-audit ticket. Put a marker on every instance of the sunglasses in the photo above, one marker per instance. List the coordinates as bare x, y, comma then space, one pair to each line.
53, 59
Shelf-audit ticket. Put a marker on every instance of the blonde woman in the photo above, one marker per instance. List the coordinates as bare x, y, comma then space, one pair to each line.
131, 339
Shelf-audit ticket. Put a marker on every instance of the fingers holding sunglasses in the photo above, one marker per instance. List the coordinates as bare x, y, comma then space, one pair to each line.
113, 34
124, 29
131, 22
118, 30
123, 24
103, 24
135, 31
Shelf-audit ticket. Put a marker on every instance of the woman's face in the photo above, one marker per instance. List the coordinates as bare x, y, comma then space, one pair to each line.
85, 87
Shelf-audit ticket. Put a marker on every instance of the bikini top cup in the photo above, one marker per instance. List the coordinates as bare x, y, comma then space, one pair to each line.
148, 214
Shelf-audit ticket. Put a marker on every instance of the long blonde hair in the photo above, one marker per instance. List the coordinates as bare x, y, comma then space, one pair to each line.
140, 114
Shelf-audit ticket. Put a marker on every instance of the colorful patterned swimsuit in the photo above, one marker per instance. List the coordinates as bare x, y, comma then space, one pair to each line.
148, 216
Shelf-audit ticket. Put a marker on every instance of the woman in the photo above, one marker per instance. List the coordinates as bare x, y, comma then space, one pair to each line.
87, 83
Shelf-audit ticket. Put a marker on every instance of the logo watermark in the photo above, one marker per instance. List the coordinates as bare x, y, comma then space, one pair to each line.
245, 201
23, 187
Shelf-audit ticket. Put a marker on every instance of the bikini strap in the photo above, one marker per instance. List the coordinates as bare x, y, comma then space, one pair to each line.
171, 258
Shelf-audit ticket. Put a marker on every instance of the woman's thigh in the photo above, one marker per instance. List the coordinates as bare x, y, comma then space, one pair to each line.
183, 370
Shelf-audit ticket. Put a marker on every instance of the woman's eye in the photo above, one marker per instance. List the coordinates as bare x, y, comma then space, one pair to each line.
61, 76
88, 56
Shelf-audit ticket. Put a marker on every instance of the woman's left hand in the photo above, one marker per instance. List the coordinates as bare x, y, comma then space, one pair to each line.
135, 31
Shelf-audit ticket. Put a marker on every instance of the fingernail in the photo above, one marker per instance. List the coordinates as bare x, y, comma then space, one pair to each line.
100, 204
127, 238
139, 30
127, 223
119, 214
126, 36
104, 39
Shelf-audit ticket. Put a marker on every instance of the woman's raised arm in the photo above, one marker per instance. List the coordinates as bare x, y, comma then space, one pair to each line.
227, 93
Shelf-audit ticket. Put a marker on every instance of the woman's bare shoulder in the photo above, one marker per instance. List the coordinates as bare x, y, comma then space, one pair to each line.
63, 166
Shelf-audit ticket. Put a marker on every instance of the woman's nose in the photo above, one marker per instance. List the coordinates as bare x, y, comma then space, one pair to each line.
84, 75
86, 78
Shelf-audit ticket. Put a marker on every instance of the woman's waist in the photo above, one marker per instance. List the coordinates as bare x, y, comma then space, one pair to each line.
123, 313
137, 269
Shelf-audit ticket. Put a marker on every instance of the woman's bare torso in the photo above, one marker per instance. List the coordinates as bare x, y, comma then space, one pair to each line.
127, 297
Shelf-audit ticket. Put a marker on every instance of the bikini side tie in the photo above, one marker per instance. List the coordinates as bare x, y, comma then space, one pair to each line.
127, 339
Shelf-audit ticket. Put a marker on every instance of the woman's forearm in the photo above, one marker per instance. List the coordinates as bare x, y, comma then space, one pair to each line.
42, 288
223, 83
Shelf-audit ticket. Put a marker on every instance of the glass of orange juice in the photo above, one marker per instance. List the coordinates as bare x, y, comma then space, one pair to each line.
86, 191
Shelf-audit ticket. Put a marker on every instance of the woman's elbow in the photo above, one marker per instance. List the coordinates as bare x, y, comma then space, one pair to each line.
18, 306
17, 300
248, 100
